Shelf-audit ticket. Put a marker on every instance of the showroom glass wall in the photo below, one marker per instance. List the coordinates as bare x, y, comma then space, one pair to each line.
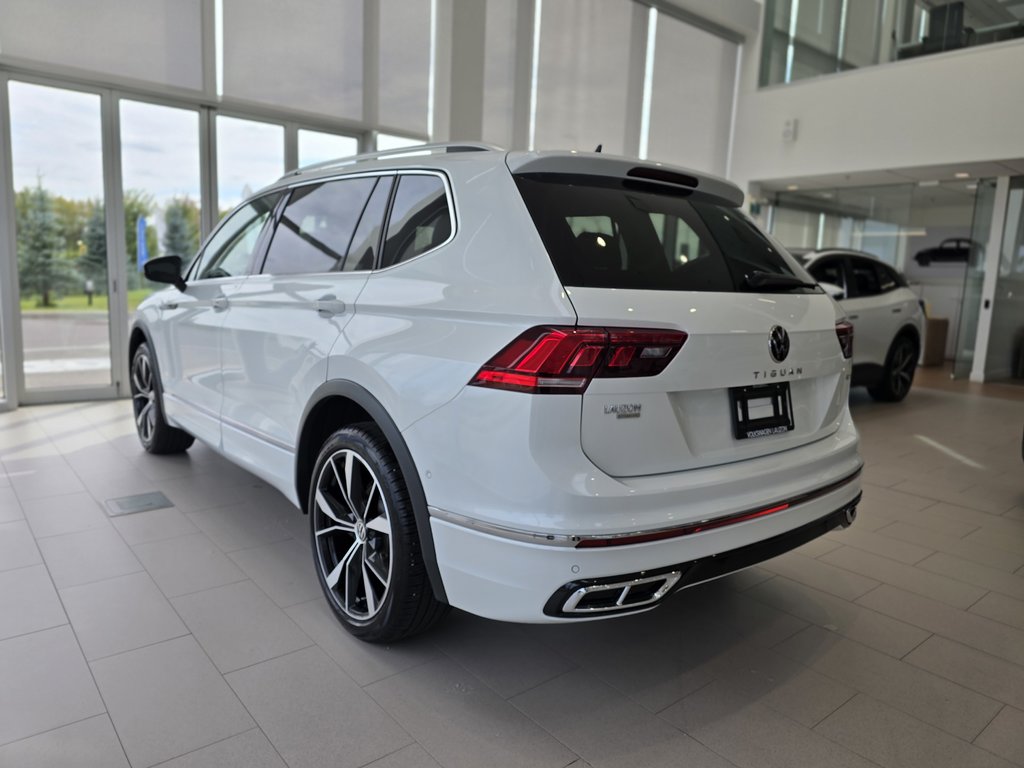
807, 38
137, 123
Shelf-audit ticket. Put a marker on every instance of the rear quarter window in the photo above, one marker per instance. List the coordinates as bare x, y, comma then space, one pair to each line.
420, 220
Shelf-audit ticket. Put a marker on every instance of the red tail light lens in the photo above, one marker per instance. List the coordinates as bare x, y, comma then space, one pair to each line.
563, 360
844, 331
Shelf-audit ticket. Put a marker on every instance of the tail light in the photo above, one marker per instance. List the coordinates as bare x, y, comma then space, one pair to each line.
844, 330
563, 360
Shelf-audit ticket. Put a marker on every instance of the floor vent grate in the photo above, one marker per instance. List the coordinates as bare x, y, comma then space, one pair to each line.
140, 502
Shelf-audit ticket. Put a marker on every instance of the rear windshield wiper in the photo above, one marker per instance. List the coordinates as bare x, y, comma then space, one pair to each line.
760, 279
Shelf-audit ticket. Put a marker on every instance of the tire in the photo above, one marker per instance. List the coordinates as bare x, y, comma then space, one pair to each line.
900, 364
364, 539
155, 434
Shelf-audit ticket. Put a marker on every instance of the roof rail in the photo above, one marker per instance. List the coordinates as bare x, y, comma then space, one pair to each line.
440, 148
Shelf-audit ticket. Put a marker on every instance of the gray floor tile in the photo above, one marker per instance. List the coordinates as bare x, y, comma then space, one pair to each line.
238, 625
10, 507
751, 734
503, 655
971, 668
908, 577
120, 614
153, 525
930, 520
88, 743
901, 550
884, 633
955, 709
597, 723
1001, 608
782, 684
665, 661
193, 708
953, 545
977, 574
28, 602
56, 515
247, 750
240, 526
970, 629
462, 722
17, 546
187, 564
87, 556
1005, 735
284, 570
364, 662
413, 756
755, 622
45, 476
818, 574
896, 740
313, 714
46, 684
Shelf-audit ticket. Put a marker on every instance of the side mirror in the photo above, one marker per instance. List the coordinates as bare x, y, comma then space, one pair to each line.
165, 269
833, 290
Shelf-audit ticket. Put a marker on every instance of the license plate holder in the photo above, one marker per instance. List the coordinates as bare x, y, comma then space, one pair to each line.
761, 410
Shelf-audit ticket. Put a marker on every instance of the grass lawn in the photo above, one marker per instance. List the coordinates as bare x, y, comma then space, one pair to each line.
79, 302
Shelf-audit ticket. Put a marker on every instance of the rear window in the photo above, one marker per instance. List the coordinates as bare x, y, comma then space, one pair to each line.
616, 233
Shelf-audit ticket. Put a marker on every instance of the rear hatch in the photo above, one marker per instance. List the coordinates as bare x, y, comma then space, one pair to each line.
660, 254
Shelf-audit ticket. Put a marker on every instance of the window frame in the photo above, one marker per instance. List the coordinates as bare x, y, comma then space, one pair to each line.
453, 218
258, 252
283, 206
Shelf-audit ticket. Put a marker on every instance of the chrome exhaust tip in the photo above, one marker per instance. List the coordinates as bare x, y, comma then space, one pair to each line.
850, 514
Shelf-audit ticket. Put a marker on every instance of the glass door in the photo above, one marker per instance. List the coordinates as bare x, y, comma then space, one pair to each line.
974, 278
63, 280
160, 186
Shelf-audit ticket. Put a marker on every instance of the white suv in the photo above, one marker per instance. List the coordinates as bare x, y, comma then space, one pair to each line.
538, 387
887, 315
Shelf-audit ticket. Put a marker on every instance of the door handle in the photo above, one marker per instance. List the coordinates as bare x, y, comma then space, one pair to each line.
329, 305
220, 303
852, 317
897, 310
169, 305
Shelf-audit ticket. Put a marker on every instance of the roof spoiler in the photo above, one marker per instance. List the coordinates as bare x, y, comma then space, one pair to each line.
593, 164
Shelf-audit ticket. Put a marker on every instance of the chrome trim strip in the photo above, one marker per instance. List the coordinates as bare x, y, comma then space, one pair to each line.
572, 540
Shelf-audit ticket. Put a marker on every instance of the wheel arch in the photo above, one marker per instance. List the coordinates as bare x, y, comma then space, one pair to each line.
336, 404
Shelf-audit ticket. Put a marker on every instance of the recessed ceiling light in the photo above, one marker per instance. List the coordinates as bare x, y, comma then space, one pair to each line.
793, 187
962, 175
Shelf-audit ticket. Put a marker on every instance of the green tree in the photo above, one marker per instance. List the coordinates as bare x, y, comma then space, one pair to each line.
93, 262
42, 269
181, 227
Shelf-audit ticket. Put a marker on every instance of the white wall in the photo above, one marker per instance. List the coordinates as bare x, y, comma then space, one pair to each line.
949, 108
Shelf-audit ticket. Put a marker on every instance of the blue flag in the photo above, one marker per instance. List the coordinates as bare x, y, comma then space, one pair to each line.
141, 252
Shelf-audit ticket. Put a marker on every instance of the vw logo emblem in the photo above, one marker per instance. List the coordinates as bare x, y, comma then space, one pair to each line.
778, 343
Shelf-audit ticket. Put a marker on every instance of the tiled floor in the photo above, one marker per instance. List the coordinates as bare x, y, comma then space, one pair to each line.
196, 635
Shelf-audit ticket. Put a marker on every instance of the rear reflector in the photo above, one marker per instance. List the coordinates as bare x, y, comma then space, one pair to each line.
844, 330
562, 360
685, 530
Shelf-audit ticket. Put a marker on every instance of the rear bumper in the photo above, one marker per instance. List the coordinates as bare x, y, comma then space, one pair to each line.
510, 579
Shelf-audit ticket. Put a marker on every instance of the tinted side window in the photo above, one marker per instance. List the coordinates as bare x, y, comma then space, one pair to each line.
363, 251
229, 252
420, 219
865, 278
888, 280
316, 227
828, 271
